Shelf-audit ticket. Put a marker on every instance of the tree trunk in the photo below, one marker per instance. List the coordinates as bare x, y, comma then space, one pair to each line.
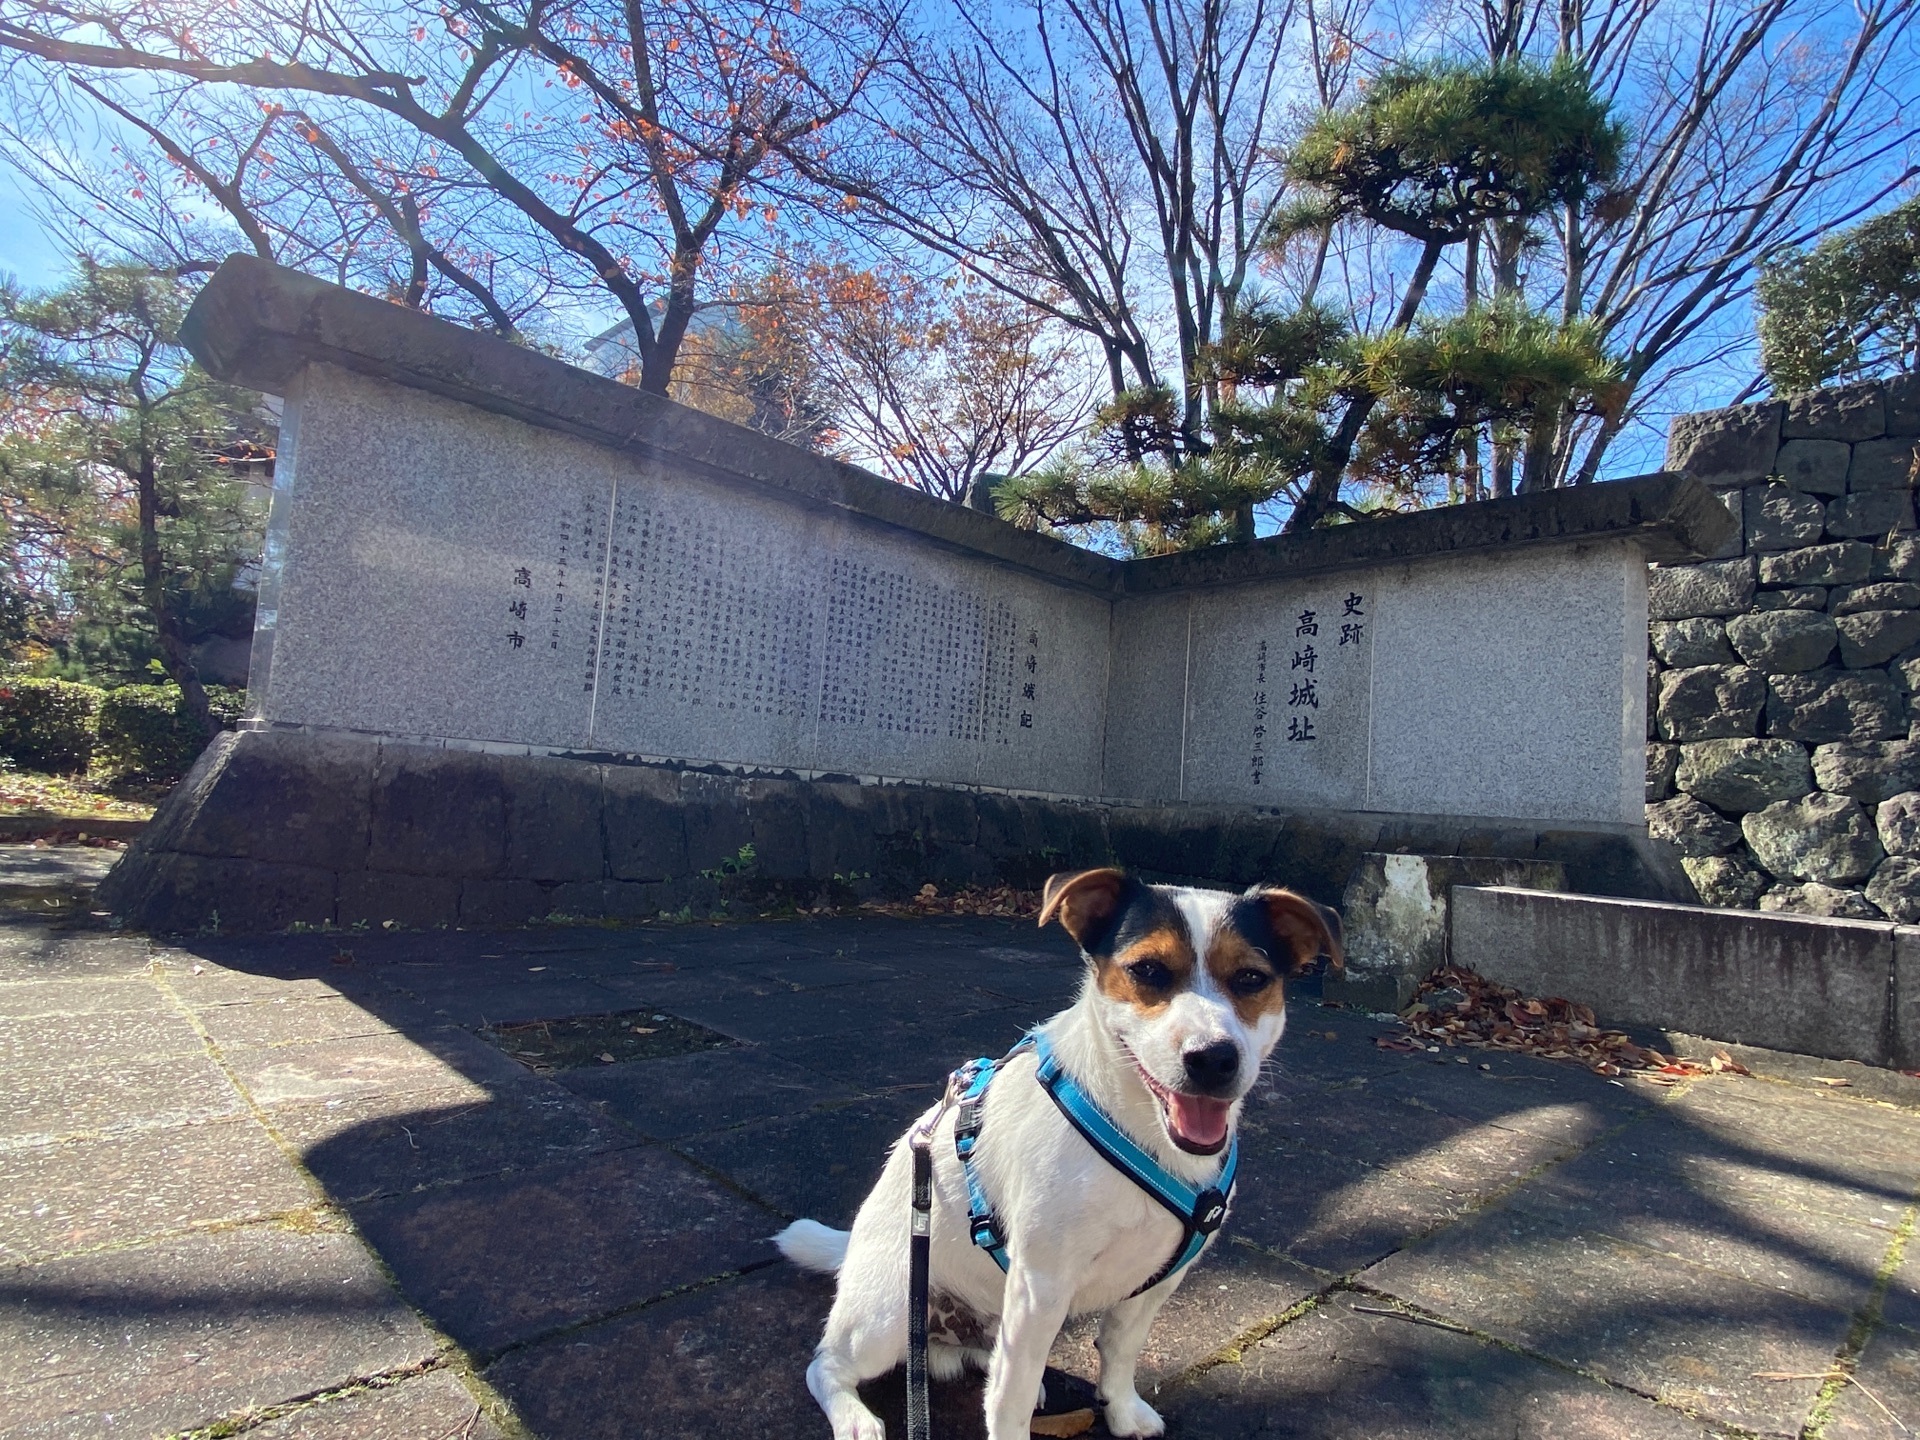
1508, 237
1324, 489
153, 584
1243, 522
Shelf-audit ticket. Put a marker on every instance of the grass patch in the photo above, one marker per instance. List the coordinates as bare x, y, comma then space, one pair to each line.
579, 1042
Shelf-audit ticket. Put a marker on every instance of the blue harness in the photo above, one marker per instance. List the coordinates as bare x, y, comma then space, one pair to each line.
1198, 1211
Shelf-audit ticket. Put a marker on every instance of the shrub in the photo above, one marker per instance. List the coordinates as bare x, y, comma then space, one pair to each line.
145, 730
48, 724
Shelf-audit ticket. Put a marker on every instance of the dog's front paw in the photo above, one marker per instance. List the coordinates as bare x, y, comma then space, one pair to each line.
863, 1425
1130, 1416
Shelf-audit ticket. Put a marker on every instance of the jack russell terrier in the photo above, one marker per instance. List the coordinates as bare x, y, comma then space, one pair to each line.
1091, 1171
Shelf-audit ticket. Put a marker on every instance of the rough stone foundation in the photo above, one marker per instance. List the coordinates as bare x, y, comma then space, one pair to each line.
278, 828
1782, 677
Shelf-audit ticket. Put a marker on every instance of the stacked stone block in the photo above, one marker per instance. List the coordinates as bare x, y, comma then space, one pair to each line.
1783, 756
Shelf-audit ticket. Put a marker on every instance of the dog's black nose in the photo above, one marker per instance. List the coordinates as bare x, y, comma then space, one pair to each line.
1213, 1068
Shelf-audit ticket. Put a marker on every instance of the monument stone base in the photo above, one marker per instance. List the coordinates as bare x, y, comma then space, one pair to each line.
276, 828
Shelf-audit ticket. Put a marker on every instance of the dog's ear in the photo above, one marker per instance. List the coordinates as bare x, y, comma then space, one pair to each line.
1084, 901
1306, 929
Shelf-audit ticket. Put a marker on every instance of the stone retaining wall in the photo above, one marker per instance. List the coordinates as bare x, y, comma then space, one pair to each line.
1782, 677
279, 828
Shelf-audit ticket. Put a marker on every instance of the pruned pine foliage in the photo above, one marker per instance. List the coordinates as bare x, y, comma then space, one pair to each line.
1433, 151
1148, 507
1848, 307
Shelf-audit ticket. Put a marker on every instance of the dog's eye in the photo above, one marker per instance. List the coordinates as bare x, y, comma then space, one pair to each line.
1249, 981
1150, 974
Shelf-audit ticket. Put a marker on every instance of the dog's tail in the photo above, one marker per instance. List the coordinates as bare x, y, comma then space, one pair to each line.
813, 1246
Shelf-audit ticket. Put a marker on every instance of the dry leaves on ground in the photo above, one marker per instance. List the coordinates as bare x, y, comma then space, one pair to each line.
1074, 1422
1455, 1006
30, 793
974, 900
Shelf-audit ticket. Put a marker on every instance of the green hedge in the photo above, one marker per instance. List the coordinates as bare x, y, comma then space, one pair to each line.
145, 729
48, 724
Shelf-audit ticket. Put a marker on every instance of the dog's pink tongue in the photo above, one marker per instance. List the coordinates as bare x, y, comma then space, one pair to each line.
1198, 1120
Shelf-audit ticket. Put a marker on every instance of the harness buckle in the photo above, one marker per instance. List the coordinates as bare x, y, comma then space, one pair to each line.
986, 1232
1209, 1211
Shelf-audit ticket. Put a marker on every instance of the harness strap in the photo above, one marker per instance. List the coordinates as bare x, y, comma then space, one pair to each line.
1200, 1212
969, 1087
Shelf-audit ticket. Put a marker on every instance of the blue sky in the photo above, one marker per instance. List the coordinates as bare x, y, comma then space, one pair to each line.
26, 251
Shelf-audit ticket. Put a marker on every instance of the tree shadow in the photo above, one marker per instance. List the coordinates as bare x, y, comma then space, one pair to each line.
596, 1238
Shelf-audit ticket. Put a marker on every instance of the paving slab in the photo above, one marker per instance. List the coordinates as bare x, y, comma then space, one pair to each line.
286, 1020
1519, 1092
885, 1056
434, 1406
1334, 1213
681, 1095
1339, 1374
819, 1165
54, 867
509, 1001
378, 1064
1652, 1186
1847, 1140
201, 984
725, 1359
1902, 1303
1233, 1290
83, 1194
1885, 1405
1692, 1336
372, 1145
788, 1014
33, 951
1577, 1245
106, 1096
808, 971
615, 1231
47, 1043
1380, 1122
30, 999
179, 1334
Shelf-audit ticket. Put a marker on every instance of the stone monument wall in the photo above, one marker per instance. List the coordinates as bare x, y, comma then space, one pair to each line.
1783, 675
619, 642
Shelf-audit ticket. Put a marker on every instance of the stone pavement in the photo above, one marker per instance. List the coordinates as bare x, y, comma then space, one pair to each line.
53, 868
299, 1188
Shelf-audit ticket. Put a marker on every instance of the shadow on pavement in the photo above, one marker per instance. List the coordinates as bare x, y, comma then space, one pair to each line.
1500, 1247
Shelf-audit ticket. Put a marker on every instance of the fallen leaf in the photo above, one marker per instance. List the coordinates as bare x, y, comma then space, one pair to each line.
606, 1057
1494, 1016
1074, 1422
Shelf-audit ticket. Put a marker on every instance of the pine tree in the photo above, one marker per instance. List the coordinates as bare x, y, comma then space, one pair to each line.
126, 453
1846, 308
1303, 402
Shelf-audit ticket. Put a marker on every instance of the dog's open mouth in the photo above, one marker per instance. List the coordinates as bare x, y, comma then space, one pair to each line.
1196, 1123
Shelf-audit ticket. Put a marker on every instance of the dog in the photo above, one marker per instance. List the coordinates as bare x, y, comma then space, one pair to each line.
1182, 1001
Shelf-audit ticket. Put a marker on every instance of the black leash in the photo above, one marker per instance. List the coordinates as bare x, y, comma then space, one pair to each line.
918, 1246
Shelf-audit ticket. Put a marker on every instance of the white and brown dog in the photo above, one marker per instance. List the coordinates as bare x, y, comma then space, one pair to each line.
1182, 1003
